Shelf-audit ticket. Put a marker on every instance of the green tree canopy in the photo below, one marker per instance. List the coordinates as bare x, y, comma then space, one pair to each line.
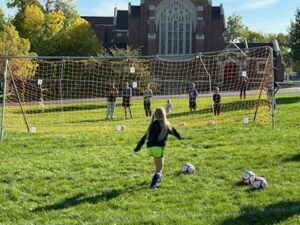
236, 30
12, 45
294, 38
80, 40
253, 36
68, 7
2, 19
22, 4
53, 34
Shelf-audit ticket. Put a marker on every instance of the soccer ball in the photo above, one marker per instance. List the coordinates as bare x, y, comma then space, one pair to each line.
259, 183
188, 168
210, 122
246, 120
248, 177
182, 124
120, 127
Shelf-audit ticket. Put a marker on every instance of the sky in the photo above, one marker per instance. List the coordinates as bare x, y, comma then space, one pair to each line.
266, 16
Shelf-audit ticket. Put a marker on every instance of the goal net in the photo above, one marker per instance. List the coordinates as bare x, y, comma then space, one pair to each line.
46, 94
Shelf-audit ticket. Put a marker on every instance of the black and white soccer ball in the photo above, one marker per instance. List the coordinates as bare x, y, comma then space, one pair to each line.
248, 177
188, 168
259, 183
120, 127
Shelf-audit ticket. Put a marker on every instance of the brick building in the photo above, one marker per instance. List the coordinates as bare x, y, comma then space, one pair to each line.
170, 27
165, 27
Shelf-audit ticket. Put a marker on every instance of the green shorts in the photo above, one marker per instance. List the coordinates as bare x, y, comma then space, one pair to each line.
156, 151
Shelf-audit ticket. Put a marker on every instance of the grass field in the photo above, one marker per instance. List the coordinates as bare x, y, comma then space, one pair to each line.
92, 176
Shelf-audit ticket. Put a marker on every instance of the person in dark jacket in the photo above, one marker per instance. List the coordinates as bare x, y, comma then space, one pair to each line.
127, 94
217, 101
112, 93
193, 94
156, 138
243, 86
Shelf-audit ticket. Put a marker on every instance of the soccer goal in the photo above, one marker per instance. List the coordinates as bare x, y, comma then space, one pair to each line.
60, 93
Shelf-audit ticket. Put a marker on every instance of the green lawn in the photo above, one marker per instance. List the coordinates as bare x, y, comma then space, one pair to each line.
89, 174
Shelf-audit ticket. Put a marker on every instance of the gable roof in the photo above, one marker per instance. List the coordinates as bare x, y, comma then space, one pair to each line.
216, 12
99, 20
135, 11
122, 20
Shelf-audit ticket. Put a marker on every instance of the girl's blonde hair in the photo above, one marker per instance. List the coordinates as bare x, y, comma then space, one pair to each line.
161, 116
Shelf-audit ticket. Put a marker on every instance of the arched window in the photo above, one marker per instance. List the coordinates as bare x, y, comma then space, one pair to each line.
175, 28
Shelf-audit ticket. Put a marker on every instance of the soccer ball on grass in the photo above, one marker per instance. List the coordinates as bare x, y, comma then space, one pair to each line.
188, 168
248, 177
259, 183
120, 127
210, 123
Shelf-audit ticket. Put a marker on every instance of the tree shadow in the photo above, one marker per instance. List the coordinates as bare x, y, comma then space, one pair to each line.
289, 100
271, 214
226, 107
82, 198
240, 184
294, 158
64, 108
68, 108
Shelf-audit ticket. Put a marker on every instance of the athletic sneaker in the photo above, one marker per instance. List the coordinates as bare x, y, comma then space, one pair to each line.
155, 180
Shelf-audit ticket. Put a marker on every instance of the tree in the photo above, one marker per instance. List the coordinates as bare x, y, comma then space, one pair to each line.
12, 45
294, 38
56, 28
48, 5
253, 36
236, 30
2, 19
68, 7
22, 4
33, 27
80, 40
121, 69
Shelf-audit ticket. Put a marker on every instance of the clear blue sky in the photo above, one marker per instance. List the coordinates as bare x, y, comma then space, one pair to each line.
267, 16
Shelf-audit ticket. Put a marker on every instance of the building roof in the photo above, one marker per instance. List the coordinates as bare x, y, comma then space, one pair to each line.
135, 11
122, 20
96, 20
255, 45
216, 12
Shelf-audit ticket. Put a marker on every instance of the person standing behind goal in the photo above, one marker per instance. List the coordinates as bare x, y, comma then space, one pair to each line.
127, 94
193, 93
243, 87
147, 100
112, 93
169, 106
217, 102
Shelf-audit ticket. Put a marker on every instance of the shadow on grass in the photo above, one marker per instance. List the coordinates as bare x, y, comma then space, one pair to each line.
226, 107
289, 100
271, 214
98, 120
240, 184
69, 108
82, 199
294, 158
